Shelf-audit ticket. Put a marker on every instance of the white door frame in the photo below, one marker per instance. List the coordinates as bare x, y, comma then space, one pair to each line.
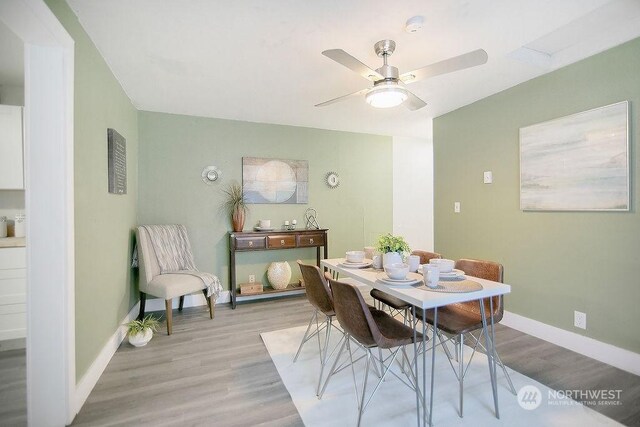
49, 68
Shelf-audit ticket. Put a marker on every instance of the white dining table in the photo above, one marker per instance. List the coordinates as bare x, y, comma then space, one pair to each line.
421, 298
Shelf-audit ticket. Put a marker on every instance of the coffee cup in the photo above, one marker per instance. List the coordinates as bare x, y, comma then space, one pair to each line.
414, 263
264, 223
431, 274
369, 252
377, 262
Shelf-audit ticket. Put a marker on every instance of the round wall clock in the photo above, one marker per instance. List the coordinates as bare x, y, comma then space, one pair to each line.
333, 180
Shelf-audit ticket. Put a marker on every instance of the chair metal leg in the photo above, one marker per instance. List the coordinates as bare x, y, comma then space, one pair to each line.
181, 303
445, 347
506, 374
305, 338
143, 299
335, 365
364, 388
324, 354
169, 309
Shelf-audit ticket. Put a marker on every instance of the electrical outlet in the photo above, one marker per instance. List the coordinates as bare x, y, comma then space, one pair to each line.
456, 207
580, 320
488, 177
252, 278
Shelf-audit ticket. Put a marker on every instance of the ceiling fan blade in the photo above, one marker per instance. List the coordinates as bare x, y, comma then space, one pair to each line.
342, 98
343, 58
467, 60
414, 103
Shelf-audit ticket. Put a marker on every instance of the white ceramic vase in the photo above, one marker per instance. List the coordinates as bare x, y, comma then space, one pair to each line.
141, 339
391, 258
279, 274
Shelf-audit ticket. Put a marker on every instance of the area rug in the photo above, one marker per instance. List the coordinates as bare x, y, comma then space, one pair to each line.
394, 403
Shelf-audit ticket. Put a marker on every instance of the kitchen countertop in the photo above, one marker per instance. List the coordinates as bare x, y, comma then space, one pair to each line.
12, 242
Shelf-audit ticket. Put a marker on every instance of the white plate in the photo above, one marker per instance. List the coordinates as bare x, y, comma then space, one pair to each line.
452, 273
412, 279
363, 264
263, 229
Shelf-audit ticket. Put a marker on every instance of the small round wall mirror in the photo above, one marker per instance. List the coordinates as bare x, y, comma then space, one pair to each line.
211, 174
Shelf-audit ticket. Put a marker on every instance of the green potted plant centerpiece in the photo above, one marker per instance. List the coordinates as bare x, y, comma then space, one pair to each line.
392, 248
140, 332
236, 205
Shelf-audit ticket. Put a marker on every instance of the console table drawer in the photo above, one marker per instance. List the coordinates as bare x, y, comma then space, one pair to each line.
283, 241
305, 240
251, 242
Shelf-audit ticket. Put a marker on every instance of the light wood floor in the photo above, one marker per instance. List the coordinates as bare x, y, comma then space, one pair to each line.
218, 372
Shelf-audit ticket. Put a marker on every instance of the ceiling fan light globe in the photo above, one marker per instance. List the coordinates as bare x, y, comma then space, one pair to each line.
386, 96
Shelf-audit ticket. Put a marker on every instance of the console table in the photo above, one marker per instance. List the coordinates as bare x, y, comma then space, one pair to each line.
267, 241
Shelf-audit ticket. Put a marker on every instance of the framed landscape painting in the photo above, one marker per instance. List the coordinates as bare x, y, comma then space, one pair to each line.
577, 163
275, 180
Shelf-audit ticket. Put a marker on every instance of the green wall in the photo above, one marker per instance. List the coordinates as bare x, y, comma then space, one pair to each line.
103, 221
556, 262
174, 150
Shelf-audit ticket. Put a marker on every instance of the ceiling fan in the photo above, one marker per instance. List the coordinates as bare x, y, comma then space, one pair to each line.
388, 86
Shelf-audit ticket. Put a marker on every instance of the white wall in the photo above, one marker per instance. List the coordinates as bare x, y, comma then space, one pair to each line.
413, 191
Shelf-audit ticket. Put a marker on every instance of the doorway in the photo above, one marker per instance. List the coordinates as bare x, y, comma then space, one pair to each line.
48, 176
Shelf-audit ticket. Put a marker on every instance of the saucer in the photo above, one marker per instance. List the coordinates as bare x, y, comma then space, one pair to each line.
365, 263
411, 279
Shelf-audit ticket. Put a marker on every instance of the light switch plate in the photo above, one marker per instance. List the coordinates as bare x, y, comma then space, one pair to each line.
488, 177
456, 207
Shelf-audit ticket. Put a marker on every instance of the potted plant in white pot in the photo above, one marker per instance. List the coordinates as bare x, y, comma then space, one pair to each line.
140, 332
392, 248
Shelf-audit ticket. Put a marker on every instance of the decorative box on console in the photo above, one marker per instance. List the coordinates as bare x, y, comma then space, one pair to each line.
251, 288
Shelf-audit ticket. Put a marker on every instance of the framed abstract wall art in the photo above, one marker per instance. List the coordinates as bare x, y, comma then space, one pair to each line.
577, 163
275, 180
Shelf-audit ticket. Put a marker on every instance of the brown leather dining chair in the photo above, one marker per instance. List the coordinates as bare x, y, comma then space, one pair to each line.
370, 328
320, 297
463, 319
394, 304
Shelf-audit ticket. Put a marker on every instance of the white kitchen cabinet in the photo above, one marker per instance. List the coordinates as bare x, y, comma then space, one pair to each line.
13, 293
11, 152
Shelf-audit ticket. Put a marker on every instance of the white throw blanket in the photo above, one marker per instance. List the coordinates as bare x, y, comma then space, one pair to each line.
173, 252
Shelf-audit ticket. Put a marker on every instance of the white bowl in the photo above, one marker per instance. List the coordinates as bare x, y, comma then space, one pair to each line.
355, 256
446, 265
397, 271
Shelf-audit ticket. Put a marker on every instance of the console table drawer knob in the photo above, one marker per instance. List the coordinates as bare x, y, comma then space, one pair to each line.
250, 243
311, 241
282, 242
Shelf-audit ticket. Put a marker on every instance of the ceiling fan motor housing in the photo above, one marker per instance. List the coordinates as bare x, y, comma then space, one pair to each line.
389, 72
384, 47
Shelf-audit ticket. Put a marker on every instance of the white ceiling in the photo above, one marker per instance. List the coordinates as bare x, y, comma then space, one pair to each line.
261, 61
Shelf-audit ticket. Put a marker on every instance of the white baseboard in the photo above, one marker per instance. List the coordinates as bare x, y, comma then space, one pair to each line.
606, 353
93, 374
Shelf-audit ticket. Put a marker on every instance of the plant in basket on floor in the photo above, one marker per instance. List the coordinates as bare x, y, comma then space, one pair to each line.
140, 332
392, 247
